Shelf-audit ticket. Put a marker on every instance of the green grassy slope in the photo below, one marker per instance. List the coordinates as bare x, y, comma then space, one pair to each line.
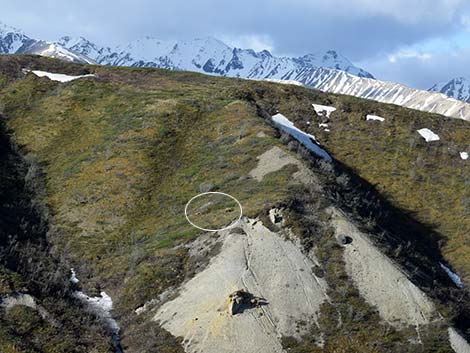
26, 267
123, 152
428, 180
123, 156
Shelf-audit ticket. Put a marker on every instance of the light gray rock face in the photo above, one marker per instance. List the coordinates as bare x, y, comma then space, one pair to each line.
265, 265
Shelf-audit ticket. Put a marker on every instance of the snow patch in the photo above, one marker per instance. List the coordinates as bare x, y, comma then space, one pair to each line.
323, 109
374, 117
284, 82
457, 342
464, 155
428, 135
305, 139
57, 77
452, 275
101, 306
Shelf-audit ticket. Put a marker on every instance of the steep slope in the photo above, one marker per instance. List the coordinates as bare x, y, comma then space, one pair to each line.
250, 258
458, 88
122, 150
37, 311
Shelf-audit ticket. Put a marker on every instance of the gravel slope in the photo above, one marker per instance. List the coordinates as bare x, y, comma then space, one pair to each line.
380, 281
265, 265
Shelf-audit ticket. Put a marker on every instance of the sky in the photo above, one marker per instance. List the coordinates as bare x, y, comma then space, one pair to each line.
415, 42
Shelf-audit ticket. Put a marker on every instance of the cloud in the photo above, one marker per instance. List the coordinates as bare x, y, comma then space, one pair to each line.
405, 54
251, 41
405, 11
465, 21
366, 31
357, 28
414, 71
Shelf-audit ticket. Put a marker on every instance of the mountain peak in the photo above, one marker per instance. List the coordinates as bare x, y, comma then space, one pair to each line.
71, 41
211, 55
457, 88
331, 54
265, 53
5, 29
204, 54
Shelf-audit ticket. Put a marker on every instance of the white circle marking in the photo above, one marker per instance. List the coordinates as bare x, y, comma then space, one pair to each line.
211, 193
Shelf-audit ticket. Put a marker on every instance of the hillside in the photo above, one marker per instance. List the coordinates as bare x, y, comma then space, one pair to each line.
347, 254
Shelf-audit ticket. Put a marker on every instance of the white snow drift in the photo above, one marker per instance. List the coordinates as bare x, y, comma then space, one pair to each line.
453, 276
57, 77
457, 342
305, 139
374, 117
101, 306
323, 109
428, 135
284, 82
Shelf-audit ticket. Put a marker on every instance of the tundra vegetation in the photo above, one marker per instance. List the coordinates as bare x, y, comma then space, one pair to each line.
114, 159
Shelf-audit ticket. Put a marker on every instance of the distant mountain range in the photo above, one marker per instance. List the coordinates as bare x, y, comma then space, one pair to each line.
14, 41
211, 56
329, 71
206, 55
458, 88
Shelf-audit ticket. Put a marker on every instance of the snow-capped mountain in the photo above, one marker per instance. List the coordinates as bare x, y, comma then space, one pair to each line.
14, 41
336, 81
205, 55
458, 88
84, 47
329, 72
211, 56
53, 50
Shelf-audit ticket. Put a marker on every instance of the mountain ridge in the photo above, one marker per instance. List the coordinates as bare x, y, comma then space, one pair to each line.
15, 41
458, 88
328, 71
206, 55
